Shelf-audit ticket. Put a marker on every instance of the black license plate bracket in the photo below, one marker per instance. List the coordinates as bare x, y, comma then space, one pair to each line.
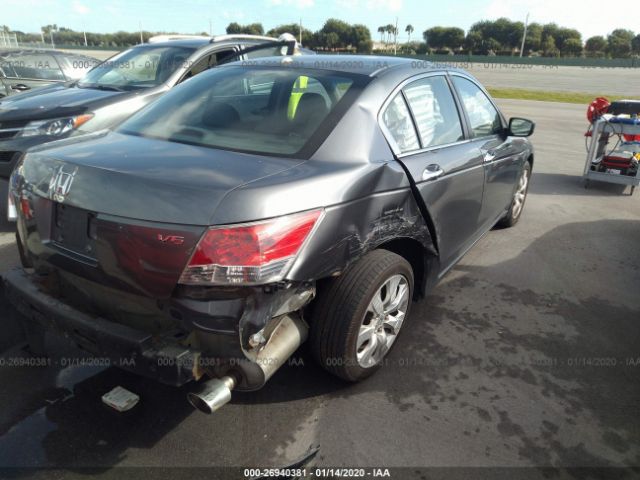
71, 229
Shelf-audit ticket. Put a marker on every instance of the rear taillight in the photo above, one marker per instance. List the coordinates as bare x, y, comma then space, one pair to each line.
249, 254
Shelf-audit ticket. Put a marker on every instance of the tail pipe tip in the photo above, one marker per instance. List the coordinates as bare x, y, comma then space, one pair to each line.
212, 394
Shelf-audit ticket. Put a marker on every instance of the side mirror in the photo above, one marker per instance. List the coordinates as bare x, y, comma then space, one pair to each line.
521, 127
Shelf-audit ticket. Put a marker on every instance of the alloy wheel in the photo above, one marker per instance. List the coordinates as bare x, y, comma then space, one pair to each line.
521, 193
382, 321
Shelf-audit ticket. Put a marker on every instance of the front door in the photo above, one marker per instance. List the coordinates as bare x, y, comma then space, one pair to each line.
24, 71
497, 153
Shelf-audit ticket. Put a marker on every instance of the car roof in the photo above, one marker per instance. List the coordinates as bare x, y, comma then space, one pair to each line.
186, 42
197, 42
368, 65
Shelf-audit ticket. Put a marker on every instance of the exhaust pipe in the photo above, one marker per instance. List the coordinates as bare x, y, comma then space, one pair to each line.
213, 394
288, 334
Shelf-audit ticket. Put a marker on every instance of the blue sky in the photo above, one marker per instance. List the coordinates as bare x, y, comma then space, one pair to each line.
591, 17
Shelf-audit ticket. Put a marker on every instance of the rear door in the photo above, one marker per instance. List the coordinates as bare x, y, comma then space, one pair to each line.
497, 153
430, 138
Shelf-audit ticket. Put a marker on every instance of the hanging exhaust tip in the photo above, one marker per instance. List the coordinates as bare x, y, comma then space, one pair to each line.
212, 394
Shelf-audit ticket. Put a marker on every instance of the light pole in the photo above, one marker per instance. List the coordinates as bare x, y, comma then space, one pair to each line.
395, 38
524, 36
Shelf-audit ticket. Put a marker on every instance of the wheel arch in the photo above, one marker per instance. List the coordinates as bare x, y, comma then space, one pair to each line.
423, 261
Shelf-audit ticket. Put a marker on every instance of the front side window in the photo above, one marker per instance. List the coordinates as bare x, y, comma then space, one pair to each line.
434, 111
248, 109
398, 121
31, 66
142, 67
483, 116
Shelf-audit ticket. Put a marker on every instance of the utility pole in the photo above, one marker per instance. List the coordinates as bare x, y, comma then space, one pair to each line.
141, 37
300, 33
84, 32
395, 38
524, 36
53, 45
42, 37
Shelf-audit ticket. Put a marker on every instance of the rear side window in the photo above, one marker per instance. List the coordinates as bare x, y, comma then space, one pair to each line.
253, 109
398, 121
483, 116
435, 111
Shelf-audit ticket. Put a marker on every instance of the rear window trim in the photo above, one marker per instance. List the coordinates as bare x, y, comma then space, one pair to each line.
399, 89
319, 136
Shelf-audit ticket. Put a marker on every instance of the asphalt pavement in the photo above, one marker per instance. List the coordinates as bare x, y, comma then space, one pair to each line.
526, 354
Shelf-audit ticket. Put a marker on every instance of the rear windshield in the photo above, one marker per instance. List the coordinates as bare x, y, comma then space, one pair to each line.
264, 110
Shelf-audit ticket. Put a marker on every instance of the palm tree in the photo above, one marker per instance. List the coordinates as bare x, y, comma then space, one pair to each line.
389, 28
409, 30
381, 31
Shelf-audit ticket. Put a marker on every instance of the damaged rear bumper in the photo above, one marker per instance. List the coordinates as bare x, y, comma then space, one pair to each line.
211, 339
158, 357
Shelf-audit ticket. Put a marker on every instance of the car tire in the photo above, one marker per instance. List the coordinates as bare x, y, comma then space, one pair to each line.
347, 338
519, 198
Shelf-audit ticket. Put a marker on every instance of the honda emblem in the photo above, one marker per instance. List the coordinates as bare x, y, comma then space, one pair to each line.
61, 184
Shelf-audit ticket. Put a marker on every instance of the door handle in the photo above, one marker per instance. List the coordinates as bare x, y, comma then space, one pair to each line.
432, 172
20, 87
489, 156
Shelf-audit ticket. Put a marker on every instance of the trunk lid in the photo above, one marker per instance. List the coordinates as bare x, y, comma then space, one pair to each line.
126, 212
145, 179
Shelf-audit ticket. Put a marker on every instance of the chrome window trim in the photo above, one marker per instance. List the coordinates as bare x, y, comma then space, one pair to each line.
486, 94
433, 148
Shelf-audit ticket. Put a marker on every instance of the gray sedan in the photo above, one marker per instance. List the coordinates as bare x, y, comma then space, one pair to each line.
259, 205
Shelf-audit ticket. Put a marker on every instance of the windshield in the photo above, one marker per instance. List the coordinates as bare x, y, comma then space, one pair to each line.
140, 67
253, 109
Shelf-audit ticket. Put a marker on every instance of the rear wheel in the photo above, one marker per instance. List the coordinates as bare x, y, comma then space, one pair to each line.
359, 315
519, 197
